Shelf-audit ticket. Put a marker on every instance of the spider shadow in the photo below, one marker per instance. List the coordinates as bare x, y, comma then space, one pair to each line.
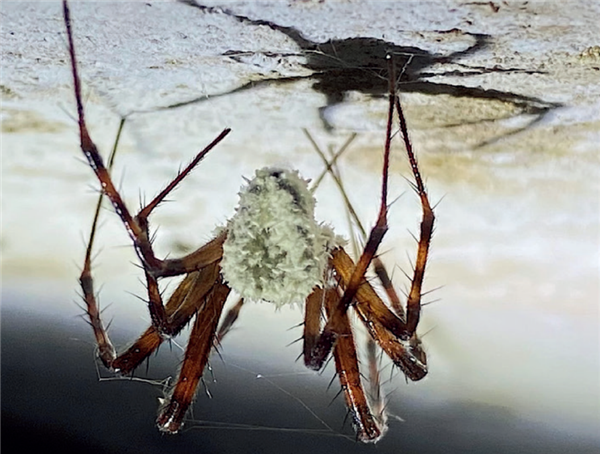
359, 64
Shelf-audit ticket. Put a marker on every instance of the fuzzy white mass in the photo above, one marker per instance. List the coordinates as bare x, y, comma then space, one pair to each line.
275, 250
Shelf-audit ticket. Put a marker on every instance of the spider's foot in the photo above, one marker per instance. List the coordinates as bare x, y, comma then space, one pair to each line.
170, 417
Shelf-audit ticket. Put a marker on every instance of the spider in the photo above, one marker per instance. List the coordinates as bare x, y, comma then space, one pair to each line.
272, 249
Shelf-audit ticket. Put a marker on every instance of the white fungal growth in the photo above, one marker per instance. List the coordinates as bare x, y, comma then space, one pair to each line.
275, 250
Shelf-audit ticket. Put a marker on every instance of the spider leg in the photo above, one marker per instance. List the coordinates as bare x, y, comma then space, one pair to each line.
369, 306
388, 287
202, 338
180, 308
368, 429
207, 256
319, 344
313, 310
395, 336
376, 398
136, 226
400, 343
331, 168
413, 303
345, 357
106, 350
329, 334
185, 301
230, 318
390, 332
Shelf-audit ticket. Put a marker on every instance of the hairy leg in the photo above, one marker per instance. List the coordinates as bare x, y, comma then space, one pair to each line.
367, 427
202, 338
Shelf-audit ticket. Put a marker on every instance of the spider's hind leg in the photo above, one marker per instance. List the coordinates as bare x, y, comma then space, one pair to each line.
368, 428
202, 338
136, 226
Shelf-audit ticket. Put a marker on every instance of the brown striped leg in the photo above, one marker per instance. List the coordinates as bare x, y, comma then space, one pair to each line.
389, 331
344, 354
206, 256
388, 287
371, 308
319, 344
407, 354
397, 337
376, 398
106, 350
180, 307
413, 303
137, 226
329, 334
202, 337
330, 167
187, 298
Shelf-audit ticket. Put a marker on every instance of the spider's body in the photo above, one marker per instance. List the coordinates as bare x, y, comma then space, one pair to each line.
275, 250
272, 249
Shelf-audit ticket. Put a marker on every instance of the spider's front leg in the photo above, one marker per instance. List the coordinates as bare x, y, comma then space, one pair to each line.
137, 226
388, 330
